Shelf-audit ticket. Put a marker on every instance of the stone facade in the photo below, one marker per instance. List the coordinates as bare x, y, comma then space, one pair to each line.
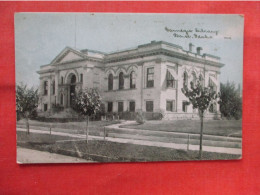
147, 78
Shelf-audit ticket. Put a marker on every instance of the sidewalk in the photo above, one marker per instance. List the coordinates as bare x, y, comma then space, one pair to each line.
144, 142
117, 126
25, 155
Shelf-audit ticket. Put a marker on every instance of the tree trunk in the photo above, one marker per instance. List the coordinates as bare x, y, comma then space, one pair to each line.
27, 125
201, 135
87, 128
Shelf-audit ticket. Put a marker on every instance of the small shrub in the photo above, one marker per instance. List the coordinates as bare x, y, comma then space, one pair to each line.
127, 115
140, 118
162, 114
34, 114
110, 116
153, 115
56, 108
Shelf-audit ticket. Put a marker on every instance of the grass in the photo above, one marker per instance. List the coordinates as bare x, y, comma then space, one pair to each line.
105, 151
69, 127
35, 138
231, 128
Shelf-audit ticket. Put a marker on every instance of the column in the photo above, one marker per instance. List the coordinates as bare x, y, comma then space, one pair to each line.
49, 92
57, 95
41, 94
218, 90
65, 97
180, 96
126, 81
115, 83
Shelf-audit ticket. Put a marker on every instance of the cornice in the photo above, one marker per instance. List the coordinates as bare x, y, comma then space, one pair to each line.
138, 55
162, 51
191, 58
51, 70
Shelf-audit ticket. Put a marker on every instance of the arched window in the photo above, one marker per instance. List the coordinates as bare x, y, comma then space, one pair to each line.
110, 82
73, 79
212, 85
201, 80
61, 80
121, 80
185, 78
194, 78
132, 80
212, 108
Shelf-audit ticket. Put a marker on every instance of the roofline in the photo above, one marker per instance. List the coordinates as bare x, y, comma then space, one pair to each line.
71, 49
162, 51
125, 57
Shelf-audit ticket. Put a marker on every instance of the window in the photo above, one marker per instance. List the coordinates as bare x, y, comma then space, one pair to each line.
212, 85
45, 107
150, 77
170, 106
62, 80
81, 78
120, 106
184, 106
194, 78
53, 87
132, 106
201, 80
110, 107
121, 80
61, 99
185, 78
73, 79
170, 80
110, 82
212, 108
132, 80
45, 87
149, 106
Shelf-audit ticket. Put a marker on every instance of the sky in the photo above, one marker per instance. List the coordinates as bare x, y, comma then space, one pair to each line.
40, 37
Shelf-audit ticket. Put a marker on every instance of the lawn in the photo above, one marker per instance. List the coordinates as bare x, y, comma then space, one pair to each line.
69, 127
35, 138
231, 128
105, 151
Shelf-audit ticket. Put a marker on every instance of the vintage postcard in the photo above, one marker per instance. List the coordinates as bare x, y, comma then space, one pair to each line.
110, 87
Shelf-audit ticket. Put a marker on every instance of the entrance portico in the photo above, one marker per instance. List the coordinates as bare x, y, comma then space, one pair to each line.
68, 90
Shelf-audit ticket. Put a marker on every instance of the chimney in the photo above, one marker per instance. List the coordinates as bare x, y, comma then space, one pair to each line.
190, 47
198, 50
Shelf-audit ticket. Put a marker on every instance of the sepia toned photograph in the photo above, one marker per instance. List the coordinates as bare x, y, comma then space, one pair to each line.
112, 87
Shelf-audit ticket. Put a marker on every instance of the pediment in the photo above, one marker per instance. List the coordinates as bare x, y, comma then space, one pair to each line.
67, 55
